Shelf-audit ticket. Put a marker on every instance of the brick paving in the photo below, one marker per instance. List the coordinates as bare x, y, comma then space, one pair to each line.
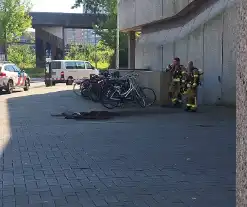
172, 159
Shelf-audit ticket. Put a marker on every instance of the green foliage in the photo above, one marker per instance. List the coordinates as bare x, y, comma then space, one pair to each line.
101, 54
14, 19
29, 37
22, 55
107, 30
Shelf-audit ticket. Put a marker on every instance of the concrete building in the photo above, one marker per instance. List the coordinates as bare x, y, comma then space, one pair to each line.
198, 30
73, 36
89, 37
88, 34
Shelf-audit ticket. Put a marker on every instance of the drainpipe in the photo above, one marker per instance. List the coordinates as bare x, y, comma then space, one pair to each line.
162, 57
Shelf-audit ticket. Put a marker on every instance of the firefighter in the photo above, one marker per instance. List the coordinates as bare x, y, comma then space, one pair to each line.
192, 82
175, 90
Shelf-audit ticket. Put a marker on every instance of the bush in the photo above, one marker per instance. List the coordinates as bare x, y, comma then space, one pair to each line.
22, 55
101, 54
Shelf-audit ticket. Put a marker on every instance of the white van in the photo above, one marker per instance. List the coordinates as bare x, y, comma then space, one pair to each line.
66, 71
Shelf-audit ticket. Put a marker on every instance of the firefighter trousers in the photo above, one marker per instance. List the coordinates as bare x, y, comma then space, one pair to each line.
175, 92
191, 100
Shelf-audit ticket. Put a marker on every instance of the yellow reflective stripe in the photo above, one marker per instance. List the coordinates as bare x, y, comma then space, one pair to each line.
196, 75
174, 100
188, 104
194, 106
176, 79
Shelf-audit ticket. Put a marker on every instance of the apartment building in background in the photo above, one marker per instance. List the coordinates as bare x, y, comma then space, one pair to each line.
89, 34
90, 37
73, 36
193, 30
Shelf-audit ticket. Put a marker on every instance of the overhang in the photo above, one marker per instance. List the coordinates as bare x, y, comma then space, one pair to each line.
191, 10
67, 20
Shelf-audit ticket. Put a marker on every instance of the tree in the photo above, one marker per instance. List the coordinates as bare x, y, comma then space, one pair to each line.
22, 55
14, 20
107, 29
88, 52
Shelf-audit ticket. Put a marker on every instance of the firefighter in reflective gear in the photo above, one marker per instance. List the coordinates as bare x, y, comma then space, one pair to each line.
176, 71
184, 78
192, 82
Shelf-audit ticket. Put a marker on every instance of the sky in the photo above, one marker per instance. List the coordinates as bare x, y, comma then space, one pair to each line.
54, 6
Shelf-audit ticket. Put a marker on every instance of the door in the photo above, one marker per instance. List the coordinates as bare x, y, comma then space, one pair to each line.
76, 69
81, 70
56, 69
13, 75
21, 76
90, 69
212, 58
70, 69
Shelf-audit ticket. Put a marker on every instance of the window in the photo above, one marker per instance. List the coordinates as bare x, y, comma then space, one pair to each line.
16, 69
56, 65
80, 65
70, 65
9, 68
75, 65
89, 66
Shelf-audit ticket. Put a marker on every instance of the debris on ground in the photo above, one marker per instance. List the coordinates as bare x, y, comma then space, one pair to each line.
95, 115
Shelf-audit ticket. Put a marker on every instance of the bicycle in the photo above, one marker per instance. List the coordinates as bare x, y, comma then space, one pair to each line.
125, 89
77, 86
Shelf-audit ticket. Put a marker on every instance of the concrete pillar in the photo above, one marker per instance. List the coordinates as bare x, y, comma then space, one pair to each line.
132, 47
241, 140
39, 47
53, 50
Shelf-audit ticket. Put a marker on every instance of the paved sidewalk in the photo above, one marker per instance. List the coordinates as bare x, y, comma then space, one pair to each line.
166, 159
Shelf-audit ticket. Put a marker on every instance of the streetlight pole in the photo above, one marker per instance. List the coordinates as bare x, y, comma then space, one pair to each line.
95, 48
117, 37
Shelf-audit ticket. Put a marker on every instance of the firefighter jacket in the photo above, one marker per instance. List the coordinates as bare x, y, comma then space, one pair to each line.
193, 78
176, 71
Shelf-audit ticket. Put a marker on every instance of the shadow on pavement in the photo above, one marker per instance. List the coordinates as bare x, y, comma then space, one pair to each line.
168, 158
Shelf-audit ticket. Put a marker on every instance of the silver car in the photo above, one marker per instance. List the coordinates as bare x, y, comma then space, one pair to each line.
12, 77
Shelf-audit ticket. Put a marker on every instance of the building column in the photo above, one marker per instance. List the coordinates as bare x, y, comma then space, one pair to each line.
131, 50
241, 143
39, 48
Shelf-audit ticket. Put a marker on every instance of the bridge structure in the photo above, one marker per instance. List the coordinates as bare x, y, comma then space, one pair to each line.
49, 31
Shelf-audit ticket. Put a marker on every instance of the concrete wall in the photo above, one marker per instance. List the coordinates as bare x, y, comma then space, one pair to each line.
136, 12
207, 40
56, 31
158, 81
43, 36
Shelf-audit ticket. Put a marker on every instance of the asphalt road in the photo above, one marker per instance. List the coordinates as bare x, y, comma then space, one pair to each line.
37, 82
170, 158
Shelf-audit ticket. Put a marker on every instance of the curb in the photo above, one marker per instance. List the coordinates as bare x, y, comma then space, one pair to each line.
37, 86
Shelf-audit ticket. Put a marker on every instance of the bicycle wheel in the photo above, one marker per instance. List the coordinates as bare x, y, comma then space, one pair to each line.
95, 93
77, 89
140, 100
148, 95
106, 100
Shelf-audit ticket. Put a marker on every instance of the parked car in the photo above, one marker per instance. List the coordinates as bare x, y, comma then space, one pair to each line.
12, 77
66, 71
